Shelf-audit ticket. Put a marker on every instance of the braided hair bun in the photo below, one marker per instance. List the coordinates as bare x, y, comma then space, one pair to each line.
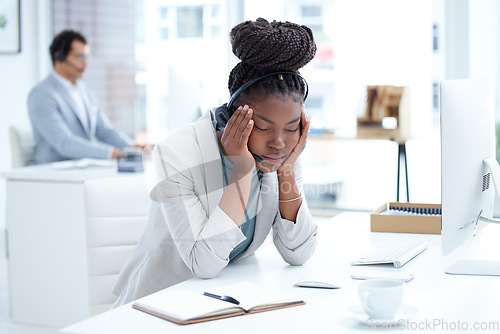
265, 47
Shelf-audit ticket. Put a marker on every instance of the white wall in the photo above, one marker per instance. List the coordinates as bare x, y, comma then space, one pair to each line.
19, 73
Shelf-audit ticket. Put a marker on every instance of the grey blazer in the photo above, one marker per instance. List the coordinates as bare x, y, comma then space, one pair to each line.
59, 133
187, 233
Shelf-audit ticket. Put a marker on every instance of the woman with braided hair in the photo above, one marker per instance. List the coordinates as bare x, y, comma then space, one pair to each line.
225, 181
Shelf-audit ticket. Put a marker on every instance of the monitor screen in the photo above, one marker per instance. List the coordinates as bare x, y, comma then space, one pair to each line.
467, 139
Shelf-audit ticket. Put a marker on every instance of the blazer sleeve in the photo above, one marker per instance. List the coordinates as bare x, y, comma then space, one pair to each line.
44, 111
107, 133
296, 241
203, 239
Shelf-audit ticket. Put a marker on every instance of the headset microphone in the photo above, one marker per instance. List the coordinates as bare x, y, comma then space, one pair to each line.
71, 65
256, 157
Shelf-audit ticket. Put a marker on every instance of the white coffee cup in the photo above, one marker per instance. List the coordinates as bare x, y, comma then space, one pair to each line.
381, 298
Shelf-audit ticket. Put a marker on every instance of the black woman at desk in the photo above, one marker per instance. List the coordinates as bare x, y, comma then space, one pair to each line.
225, 181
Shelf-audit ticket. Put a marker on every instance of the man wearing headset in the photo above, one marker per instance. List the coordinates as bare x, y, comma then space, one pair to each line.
66, 120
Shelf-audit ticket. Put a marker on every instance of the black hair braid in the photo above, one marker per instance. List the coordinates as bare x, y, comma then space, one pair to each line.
265, 47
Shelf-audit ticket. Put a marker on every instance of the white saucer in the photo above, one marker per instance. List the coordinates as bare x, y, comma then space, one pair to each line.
357, 313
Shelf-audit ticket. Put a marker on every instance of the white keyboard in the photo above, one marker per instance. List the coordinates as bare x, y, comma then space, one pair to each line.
81, 163
397, 253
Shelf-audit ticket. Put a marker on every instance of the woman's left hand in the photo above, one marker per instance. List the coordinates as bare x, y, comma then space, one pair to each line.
301, 144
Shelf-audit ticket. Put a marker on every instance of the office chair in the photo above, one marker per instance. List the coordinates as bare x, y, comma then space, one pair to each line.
22, 145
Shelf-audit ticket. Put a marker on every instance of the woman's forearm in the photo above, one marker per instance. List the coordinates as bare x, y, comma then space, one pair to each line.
290, 198
235, 198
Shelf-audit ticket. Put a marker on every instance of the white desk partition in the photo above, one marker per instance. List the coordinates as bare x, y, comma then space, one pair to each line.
445, 303
48, 267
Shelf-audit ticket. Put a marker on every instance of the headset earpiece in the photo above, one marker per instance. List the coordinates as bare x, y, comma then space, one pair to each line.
61, 56
222, 116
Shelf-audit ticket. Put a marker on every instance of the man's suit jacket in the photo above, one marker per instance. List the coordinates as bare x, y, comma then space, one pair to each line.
188, 234
60, 134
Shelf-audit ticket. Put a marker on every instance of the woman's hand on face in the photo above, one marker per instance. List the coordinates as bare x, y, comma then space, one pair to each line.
234, 139
301, 144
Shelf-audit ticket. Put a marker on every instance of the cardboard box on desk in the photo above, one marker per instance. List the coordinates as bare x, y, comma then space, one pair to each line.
426, 224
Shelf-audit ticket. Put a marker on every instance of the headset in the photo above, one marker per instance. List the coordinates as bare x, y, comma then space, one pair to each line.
225, 111
62, 56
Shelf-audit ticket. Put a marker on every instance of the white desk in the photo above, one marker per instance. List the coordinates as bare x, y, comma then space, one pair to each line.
47, 253
457, 300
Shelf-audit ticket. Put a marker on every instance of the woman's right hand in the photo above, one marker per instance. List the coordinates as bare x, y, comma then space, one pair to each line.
234, 139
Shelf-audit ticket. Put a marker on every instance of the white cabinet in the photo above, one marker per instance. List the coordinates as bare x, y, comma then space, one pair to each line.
68, 234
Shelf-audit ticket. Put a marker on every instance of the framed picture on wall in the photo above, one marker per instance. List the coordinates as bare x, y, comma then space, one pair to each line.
10, 26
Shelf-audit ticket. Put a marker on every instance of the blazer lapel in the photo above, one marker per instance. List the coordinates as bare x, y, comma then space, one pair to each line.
212, 164
90, 111
72, 104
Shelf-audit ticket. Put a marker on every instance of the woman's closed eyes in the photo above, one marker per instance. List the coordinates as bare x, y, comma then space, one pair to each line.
265, 129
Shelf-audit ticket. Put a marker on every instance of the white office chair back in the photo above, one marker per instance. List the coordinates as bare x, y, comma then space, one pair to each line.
22, 145
116, 211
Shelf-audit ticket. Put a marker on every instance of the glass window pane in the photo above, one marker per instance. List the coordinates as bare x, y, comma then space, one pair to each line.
311, 11
163, 13
316, 28
189, 22
216, 32
215, 11
164, 33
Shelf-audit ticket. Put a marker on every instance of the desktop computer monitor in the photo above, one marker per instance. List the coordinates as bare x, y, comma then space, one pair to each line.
468, 168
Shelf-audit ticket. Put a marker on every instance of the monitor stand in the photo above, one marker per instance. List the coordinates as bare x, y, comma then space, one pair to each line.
475, 267
481, 267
